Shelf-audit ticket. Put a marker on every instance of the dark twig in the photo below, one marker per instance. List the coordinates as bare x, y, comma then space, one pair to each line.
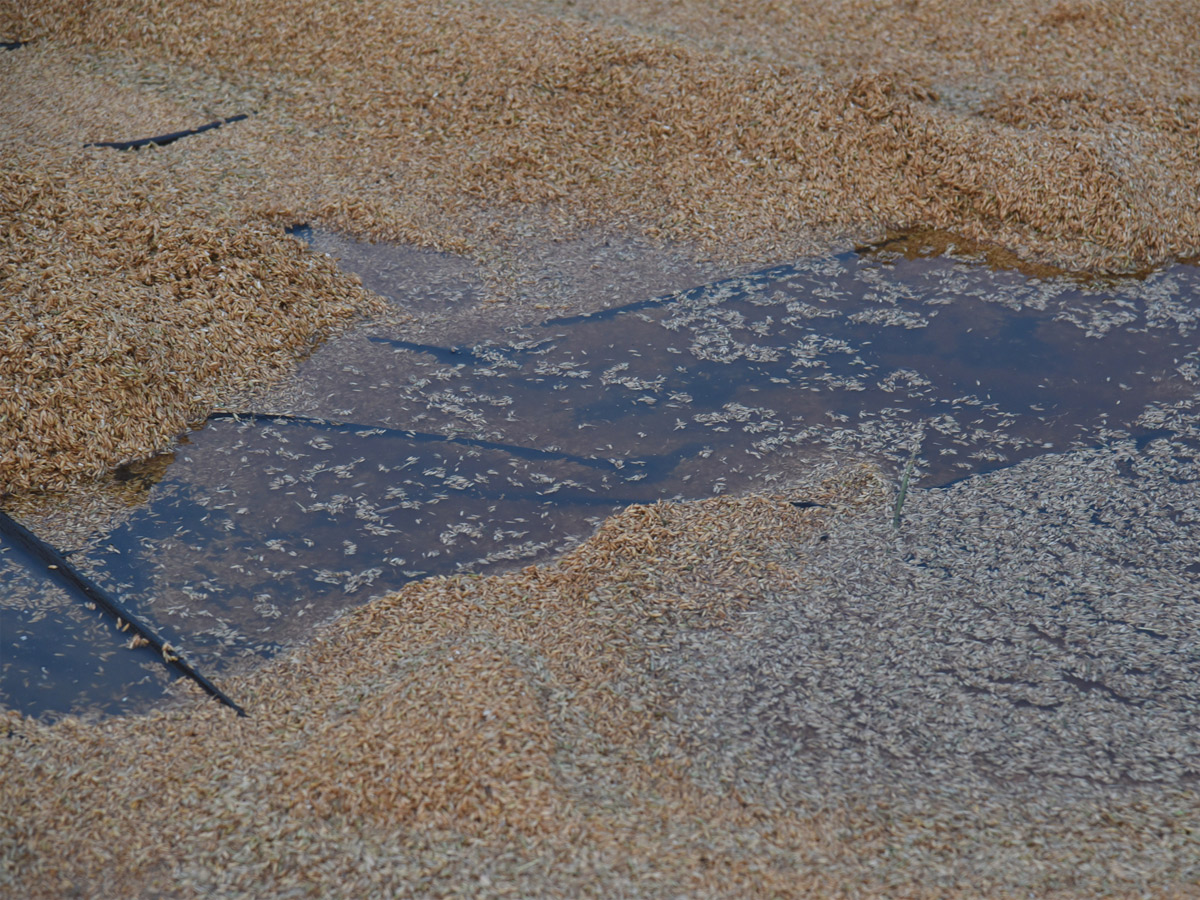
163, 139
74, 582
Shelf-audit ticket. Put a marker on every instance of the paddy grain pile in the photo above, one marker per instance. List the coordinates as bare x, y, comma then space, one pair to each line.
444, 123
133, 302
451, 703
736, 697
553, 732
484, 130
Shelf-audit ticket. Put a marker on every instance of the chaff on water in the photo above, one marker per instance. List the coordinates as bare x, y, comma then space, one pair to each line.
54, 565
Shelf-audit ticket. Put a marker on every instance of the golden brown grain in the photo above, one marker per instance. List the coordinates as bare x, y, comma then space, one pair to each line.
504, 735
467, 127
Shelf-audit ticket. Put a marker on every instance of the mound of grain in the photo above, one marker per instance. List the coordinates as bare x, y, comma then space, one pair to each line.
444, 123
517, 735
133, 302
145, 287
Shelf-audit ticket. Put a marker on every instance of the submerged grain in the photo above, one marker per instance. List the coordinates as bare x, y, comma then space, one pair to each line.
559, 731
474, 128
586, 728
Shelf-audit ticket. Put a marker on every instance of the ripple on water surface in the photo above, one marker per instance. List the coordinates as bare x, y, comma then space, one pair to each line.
432, 459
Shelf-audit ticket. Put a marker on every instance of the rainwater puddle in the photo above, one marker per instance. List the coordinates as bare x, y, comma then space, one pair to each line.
439, 459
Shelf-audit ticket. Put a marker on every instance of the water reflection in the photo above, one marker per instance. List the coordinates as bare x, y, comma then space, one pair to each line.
448, 458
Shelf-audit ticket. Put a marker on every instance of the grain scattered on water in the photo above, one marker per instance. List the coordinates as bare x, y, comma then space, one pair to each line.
482, 130
472, 129
521, 733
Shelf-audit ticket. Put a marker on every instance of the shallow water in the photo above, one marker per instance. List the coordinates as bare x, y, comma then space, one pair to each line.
435, 459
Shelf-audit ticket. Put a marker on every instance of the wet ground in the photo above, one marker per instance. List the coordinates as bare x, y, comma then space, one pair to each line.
413, 458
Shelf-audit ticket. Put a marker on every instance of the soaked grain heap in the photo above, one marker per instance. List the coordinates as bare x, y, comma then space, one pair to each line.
697, 701
730, 698
1069, 133
133, 302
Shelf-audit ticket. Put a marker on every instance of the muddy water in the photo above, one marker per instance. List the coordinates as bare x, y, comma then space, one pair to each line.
426, 459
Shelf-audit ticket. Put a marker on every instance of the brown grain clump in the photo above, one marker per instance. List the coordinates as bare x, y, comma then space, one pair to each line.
111, 348
142, 288
464, 125
132, 303
495, 715
499, 736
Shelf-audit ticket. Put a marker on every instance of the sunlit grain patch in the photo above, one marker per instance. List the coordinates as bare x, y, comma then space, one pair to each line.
529, 723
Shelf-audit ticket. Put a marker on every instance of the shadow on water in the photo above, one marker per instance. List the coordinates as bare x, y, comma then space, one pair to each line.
445, 459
